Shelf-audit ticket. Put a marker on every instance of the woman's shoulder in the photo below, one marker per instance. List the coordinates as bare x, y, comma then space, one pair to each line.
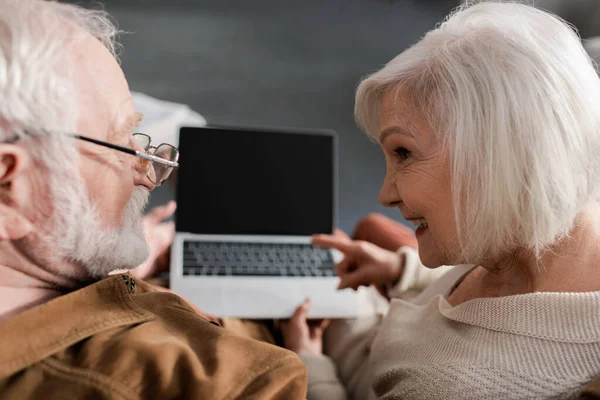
449, 279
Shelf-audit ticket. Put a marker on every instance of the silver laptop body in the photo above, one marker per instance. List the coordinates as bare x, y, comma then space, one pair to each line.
248, 202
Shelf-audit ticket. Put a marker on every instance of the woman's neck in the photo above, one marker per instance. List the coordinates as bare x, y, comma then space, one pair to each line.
569, 266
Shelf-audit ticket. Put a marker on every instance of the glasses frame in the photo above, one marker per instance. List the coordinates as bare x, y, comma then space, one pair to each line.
141, 154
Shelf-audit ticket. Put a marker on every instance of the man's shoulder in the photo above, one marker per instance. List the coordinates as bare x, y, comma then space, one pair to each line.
185, 354
175, 326
118, 336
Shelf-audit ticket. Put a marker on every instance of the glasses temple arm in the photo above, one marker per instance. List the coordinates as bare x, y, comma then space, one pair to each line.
105, 144
141, 154
159, 160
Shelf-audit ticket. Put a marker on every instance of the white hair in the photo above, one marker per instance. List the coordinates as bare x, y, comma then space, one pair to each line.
35, 93
515, 100
38, 105
76, 233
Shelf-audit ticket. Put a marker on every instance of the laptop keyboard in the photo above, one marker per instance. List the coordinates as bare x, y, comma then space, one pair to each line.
255, 259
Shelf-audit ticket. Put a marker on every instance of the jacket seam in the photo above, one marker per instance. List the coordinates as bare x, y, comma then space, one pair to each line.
262, 371
128, 301
89, 377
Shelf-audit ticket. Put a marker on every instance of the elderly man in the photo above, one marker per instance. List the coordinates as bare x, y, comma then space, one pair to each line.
73, 183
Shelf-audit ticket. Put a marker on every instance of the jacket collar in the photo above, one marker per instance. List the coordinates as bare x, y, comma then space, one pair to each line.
46, 329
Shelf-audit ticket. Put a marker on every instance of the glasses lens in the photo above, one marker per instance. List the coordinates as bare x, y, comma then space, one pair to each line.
169, 153
142, 140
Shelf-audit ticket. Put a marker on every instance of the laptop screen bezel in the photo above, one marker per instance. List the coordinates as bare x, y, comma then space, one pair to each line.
196, 130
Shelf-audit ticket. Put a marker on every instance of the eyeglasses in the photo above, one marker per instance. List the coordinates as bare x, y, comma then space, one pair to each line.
158, 161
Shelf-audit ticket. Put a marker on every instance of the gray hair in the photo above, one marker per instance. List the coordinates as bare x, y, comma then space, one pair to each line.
35, 94
39, 104
514, 98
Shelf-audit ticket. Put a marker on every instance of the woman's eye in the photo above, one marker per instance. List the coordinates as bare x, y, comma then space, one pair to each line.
402, 153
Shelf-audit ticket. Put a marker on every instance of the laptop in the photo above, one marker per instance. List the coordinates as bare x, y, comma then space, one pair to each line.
249, 201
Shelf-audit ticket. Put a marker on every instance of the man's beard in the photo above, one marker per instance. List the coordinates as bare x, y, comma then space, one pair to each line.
80, 237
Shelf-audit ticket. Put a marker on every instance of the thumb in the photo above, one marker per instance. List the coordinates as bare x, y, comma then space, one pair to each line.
344, 267
354, 279
301, 313
169, 227
157, 214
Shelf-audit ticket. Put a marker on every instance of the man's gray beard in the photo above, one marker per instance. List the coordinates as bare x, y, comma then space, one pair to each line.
79, 236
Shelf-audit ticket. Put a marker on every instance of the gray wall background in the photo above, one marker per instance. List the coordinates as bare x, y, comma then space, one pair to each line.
276, 63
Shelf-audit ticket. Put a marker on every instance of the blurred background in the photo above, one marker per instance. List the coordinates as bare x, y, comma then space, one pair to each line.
285, 63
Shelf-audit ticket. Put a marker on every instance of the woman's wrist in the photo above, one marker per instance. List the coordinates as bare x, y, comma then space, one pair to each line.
398, 269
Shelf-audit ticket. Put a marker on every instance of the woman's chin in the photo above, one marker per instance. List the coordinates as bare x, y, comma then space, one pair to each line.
430, 257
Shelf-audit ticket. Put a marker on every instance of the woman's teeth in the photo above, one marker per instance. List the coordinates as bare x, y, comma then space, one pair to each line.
419, 223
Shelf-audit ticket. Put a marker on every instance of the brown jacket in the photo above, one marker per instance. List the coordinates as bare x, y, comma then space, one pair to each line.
591, 391
120, 339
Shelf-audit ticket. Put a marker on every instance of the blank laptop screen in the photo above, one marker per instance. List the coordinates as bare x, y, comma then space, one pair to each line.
252, 182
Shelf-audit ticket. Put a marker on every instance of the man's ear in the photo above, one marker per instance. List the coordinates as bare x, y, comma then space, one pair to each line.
14, 161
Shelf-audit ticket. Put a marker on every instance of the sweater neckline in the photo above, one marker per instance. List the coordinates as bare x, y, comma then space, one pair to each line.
564, 317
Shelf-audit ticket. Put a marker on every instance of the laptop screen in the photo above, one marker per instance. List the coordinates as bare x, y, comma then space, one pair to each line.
255, 182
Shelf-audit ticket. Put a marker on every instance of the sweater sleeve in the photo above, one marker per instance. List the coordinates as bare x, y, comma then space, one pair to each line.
344, 370
415, 276
348, 342
323, 382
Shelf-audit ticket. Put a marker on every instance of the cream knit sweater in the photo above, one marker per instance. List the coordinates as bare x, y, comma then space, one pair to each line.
532, 346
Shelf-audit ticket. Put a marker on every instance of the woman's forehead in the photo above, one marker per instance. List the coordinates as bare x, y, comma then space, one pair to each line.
398, 111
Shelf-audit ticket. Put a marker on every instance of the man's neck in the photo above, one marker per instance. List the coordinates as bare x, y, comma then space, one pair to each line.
24, 285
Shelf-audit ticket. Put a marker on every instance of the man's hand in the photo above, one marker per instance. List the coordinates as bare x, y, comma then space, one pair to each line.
159, 236
302, 336
364, 263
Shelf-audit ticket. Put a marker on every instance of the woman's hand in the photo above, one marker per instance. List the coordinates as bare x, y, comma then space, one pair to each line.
302, 336
159, 236
364, 263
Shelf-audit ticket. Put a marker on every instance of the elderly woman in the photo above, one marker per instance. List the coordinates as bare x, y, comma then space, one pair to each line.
490, 126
